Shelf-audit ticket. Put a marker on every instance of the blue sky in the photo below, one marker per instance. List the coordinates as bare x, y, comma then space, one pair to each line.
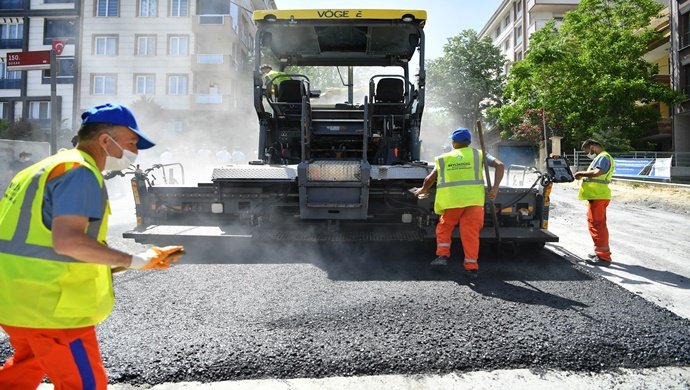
445, 19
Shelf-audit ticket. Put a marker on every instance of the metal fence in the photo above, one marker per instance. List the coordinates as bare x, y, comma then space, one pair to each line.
679, 159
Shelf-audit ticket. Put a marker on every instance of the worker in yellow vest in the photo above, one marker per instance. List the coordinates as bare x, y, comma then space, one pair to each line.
55, 267
595, 190
460, 196
273, 78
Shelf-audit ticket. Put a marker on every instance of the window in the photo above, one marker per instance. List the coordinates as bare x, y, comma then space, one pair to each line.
506, 45
144, 84
177, 85
62, 29
11, 35
9, 79
104, 84
179, 8
39, 110
11, 74
179, 45
3, 110
506, 21
213, 7
685, 29
107, 7
12, 4
146, 45
209, 58
148, 8
58, 1
518, 7
686, 79
65, 73
234, 14
518, 35
105, 46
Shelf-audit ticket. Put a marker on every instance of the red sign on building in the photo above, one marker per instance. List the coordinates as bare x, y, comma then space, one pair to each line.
28, 60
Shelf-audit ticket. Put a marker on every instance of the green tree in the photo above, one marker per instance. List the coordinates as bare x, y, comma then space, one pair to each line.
18, 130
589, 77
467, 79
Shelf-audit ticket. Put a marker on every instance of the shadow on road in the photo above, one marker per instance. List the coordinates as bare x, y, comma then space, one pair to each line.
642, 275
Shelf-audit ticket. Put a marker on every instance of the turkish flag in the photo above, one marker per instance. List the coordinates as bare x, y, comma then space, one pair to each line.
58, 46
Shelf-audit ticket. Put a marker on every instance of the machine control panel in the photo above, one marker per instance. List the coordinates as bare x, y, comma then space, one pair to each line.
559, 169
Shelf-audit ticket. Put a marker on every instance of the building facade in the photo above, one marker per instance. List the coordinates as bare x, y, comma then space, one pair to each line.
189, 58
514, 21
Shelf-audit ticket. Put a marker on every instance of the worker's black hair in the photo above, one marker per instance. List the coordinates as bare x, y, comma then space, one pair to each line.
590, 142
89, 131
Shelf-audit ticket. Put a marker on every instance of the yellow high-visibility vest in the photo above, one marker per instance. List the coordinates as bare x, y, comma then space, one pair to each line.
277, 77
40, 288
597, 187
460, 181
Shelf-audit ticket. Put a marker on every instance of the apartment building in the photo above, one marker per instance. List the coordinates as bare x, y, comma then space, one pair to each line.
189, 57
514, 21
32, 25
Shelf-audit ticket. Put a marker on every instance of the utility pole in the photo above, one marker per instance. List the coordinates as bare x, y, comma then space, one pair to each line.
53, 102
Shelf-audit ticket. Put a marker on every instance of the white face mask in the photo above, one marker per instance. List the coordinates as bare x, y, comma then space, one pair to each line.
119, 164
592, 155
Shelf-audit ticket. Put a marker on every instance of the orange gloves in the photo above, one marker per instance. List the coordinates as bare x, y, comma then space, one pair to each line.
157, 258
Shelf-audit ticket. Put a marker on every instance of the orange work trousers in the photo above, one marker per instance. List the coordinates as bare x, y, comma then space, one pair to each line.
471, 221
596, 219
69, 357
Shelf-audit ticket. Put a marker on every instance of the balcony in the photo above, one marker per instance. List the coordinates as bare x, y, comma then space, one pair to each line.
10, 83
11, 43
555, 6
209, 99
11, 4
664, 79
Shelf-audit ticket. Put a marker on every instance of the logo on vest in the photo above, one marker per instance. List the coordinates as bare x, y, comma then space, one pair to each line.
458, 165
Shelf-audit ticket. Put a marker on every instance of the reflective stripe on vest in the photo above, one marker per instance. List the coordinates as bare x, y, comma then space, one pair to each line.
19, 247
597, 187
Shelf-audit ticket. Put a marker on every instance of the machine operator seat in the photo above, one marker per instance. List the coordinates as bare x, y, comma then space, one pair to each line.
289, 97
388, 103
390, 90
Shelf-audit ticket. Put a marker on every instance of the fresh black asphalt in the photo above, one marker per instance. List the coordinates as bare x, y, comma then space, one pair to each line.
345, 310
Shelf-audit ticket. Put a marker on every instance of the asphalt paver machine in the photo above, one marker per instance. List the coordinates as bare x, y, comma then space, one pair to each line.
330, 171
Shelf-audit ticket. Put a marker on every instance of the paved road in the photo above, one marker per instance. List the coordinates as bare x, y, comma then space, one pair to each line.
342, 311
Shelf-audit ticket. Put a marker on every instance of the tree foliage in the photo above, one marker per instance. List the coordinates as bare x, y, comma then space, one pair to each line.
589, 76
467, 79
22, 129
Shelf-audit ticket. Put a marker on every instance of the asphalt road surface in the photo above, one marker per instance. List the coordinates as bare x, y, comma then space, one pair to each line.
322, 311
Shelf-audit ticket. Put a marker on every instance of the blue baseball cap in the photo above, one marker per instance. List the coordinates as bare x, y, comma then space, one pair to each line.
461, 135
116, 114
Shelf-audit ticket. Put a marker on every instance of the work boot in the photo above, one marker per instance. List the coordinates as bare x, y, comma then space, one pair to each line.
598, 261
471, 273
592, 255
439, 262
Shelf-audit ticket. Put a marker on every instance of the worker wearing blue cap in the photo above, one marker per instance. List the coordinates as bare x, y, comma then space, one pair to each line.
55, 267
460, 196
